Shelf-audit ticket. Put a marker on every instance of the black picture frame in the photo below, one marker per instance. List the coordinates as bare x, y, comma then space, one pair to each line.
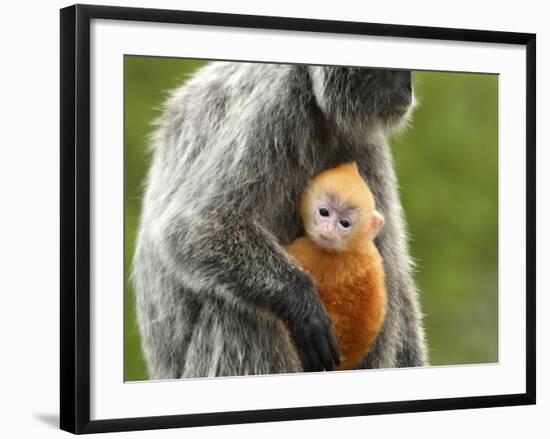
75, 217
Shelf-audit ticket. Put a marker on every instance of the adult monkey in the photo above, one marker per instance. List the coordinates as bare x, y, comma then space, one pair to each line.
235, 148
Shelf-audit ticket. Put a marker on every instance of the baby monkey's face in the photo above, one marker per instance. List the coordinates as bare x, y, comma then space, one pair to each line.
337, 225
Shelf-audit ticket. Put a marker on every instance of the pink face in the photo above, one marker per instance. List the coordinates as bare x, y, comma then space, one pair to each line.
334, 222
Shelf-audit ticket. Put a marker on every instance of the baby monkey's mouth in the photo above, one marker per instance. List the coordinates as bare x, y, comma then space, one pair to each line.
329, 244
329, 241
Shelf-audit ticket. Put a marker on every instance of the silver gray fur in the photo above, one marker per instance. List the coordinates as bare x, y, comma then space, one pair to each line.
233, 152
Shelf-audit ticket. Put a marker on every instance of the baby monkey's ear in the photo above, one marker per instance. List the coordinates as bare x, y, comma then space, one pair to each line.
376, 224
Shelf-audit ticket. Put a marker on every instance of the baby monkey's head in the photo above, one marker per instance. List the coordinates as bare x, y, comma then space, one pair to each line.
338, 210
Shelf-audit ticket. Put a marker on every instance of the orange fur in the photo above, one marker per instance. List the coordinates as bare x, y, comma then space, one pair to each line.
350, 282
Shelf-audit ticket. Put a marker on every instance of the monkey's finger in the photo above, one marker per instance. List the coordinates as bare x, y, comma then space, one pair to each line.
334, 347
301, 344
315, 364
323, 349
305, 362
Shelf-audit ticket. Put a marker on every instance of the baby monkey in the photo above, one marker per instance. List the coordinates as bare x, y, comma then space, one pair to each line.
341, 221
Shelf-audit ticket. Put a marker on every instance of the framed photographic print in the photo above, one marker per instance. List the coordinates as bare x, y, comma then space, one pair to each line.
268, 218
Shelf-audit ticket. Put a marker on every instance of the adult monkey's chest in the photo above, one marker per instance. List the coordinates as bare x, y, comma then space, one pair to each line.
281, 214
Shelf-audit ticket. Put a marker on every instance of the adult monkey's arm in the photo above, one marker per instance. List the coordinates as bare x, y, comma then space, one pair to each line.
233, 255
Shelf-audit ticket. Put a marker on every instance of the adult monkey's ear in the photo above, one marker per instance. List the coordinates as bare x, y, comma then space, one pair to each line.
332, 94
344, 96
318, 80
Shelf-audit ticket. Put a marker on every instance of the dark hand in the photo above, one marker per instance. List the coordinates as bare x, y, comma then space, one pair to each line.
316, 341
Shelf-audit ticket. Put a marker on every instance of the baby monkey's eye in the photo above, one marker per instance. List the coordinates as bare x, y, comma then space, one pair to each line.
345, 223
324, 212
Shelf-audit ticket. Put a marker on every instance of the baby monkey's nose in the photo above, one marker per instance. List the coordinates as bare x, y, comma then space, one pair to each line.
326, 231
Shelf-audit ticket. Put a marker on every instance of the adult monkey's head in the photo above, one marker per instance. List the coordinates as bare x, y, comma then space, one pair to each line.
363, 101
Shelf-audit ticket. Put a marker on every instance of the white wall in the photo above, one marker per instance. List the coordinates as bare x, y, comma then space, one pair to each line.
29, 236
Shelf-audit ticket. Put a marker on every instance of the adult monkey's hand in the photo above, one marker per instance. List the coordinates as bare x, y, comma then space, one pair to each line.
315, 340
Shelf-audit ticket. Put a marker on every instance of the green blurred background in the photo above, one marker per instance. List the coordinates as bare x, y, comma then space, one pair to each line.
447, 164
